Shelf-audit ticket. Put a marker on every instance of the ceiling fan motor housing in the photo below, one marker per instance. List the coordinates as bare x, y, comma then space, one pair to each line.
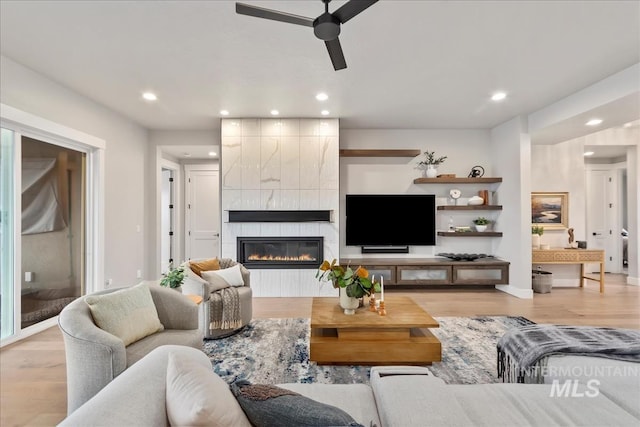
326, 27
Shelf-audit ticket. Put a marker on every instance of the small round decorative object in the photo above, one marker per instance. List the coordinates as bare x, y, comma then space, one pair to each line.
455, 193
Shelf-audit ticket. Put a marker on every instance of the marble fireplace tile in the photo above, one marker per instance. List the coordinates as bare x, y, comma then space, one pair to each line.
309, 162
251, 163
289, 200
250, 200
230, 127
231, 163
290, 163
250, 127
289, 127
270, 162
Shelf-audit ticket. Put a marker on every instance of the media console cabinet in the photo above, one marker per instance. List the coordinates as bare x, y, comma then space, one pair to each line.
434, 271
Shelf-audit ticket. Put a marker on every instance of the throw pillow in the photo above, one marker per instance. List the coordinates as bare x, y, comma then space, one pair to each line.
215, 282
129, 314
204, 265
196, 396
232, 276
268, 405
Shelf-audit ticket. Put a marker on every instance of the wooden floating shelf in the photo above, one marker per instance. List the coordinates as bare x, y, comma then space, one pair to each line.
470, 234
470, 208
456, 180
379, 153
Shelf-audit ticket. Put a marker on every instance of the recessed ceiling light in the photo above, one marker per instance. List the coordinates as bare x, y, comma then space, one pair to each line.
275, 112
627, 125
212, 153
186, 154
324, 112
224, 112
149, 96
498, 96
588, 153
594, 122
322, 96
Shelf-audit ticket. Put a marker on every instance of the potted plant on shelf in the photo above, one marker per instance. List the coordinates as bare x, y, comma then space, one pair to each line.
536, 233
429, 165
481, 223
173, 278
353, 284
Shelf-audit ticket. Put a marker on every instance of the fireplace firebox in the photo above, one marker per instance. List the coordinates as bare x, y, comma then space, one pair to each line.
280, 252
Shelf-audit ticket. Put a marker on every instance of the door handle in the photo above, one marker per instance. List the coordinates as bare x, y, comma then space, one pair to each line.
597, 234
216, 234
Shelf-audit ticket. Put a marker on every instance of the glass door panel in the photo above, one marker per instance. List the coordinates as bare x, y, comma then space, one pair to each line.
7, 207
53, 229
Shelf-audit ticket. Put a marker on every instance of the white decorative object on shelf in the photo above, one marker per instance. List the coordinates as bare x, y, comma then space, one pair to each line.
475, 201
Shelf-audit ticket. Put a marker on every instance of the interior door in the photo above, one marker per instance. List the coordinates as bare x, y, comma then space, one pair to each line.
602, 230
202, 212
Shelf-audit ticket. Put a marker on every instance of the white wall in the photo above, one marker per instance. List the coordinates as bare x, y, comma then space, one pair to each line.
511, 152
125, 154
394, 175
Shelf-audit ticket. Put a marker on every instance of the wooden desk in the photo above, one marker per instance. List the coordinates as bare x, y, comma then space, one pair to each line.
572, 256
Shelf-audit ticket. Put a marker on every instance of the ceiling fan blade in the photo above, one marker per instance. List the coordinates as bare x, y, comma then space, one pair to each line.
336, 55
351, 9
260, 12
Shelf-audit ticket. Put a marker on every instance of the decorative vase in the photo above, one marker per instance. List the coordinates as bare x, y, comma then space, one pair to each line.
348, 304
432, 171
535, 241
480, 227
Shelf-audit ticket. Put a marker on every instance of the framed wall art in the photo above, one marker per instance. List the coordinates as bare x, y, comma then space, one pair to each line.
550, 210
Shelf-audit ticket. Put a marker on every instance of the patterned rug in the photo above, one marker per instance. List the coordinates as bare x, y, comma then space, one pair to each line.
273, 351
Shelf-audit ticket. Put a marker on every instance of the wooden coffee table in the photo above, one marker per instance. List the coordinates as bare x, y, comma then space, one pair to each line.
366, 338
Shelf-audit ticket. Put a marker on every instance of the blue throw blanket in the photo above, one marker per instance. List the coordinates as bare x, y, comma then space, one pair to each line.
523, 351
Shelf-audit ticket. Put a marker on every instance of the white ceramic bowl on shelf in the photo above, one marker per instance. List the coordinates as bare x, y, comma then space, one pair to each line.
475, 200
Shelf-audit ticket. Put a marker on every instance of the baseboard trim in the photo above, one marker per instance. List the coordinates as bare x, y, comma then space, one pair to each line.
635, 281
516, 292
31, 330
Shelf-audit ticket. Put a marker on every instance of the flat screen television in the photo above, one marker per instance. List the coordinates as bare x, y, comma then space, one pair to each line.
390, 220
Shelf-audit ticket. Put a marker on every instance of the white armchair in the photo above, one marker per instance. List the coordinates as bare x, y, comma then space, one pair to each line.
196, 285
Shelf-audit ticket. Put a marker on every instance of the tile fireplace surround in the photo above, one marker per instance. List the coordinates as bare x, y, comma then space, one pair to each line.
282, 165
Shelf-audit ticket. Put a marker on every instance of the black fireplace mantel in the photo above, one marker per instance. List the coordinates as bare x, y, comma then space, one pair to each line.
280, 216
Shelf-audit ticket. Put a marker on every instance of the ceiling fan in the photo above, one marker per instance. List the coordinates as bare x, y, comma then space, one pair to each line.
326, 26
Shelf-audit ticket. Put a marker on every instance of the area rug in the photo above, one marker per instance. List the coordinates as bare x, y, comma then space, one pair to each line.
274, 351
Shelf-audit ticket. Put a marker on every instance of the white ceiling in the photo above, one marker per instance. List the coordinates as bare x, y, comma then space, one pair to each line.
411, 64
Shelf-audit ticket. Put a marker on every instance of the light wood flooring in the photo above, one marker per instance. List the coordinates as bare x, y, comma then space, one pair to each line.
33, 376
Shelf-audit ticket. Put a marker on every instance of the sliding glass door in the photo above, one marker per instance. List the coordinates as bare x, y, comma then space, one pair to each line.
7, 246
51, 220
52, 229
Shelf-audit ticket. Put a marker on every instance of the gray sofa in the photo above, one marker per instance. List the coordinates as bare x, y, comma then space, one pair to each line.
397, 396
95, 357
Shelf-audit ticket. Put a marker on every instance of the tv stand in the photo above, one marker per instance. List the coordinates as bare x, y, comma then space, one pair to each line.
422, 272
385, 249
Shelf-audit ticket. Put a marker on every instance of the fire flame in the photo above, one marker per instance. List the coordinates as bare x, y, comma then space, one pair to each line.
258, 257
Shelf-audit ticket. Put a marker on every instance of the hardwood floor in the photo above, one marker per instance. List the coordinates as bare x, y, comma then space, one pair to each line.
33, 375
